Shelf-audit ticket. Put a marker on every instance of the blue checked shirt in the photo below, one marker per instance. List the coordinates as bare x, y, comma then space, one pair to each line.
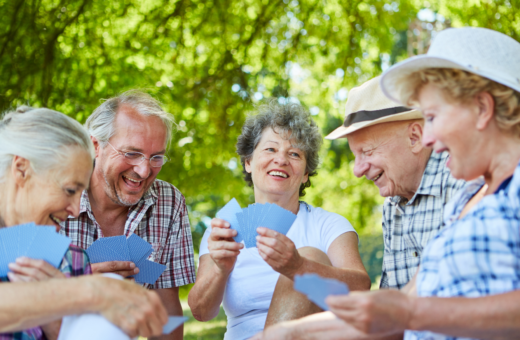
476, 255
408, 226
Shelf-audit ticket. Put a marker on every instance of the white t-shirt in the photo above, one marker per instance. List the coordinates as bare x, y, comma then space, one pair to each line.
251, 284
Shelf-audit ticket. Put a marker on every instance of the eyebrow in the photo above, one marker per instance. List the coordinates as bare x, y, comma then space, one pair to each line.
131, 148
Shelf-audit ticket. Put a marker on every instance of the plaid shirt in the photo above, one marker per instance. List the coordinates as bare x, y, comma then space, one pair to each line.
161, 219
476, 255
408, 226
75, 263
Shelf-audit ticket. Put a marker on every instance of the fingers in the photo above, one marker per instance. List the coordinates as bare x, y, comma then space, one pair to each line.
221, 232
272, 238
225, 245
123, 268
28, 269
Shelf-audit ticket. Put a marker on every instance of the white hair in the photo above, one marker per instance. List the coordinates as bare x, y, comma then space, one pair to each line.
42, 136
100, 124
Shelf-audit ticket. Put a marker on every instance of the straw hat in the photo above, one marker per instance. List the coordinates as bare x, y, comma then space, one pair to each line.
367, 106
481, 51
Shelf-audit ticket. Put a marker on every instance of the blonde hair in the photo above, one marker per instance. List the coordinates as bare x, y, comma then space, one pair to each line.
462, 86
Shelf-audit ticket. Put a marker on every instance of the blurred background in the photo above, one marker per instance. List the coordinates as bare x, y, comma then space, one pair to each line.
210, 62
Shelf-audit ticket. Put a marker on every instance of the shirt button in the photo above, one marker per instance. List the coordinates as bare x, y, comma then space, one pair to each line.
415, 254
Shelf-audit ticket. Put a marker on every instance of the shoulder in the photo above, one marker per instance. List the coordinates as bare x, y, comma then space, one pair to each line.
166, 192
323, 217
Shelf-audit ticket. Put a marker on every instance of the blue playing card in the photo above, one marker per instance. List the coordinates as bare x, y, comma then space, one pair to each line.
100, 252
118, 245
318, 288
279, 219
26, 237
49, 246
228, 213
173, 323
149, 271
139, 249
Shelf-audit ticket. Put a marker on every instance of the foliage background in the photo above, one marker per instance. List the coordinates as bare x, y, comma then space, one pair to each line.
211, 61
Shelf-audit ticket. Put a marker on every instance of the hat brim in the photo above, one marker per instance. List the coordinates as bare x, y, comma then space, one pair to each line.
393, 75
343, 131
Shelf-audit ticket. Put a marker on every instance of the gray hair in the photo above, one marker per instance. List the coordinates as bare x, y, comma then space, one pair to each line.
100, 124
42, 136
292, 121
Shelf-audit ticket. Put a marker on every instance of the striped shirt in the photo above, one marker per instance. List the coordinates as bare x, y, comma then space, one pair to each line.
408, 226
161, 219
476, 255
75, 263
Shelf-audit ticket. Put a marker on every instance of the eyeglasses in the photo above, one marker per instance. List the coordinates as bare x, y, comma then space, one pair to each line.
136, 158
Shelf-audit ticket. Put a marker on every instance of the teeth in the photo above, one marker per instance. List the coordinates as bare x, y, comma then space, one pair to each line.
278, 173
132, 180
55, 219
375, 179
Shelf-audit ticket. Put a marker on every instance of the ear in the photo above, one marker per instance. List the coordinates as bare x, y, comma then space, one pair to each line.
20, 170
97, 146
247, 164
415, 133
486, 109
305, 178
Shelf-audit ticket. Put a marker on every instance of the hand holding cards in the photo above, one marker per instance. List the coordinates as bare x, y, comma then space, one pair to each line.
318, 288
32, 241
245, 221
134, 249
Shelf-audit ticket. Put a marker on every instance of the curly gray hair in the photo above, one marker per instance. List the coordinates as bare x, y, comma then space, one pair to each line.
292, 121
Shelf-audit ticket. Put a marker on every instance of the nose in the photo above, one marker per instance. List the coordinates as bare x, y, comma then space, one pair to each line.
143, 169
281, 158
360, 167
428, 138
73, 208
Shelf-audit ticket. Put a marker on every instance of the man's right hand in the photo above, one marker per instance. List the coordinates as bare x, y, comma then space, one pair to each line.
222, 248
134, 309
123, 268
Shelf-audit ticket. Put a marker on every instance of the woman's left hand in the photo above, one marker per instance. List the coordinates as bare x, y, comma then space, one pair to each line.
25, 269
279, 252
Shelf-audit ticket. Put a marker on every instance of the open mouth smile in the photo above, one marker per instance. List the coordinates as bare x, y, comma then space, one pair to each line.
377, 177
55, 219
276, 173
133, 183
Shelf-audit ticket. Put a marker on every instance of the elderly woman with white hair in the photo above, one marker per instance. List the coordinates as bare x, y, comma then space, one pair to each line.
279, 149
45, 162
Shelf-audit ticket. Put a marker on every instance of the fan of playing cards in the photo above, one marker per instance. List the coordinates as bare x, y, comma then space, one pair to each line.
245, 221
318, 288
133, 248
30, 240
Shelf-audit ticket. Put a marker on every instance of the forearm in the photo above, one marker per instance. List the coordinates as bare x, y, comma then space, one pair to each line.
26, 305
327, 326
491, 317
354, 278
170, 300
206, 295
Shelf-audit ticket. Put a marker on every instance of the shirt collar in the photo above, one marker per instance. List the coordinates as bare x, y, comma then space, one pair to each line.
431, 180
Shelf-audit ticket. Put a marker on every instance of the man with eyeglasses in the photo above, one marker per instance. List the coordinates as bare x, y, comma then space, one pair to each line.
130, 134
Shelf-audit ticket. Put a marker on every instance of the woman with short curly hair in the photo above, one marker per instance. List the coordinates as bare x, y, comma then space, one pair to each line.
278, 148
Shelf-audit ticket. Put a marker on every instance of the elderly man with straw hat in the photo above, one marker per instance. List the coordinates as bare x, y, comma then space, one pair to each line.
386, 140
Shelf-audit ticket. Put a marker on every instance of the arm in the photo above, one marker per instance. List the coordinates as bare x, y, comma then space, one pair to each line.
281, 254
316, 327
170, 300
130, 307
214, 268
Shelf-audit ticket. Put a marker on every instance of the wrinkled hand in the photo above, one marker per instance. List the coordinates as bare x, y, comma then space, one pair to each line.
222, 247
278, 251
25, 269
378, 312
134, 309
123, 268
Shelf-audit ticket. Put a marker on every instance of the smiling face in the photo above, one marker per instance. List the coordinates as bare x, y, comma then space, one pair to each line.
50, 197
277, 168
390, 155
125, 184
452, 127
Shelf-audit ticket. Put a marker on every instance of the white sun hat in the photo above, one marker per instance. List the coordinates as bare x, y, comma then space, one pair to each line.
367, 106
481, 51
